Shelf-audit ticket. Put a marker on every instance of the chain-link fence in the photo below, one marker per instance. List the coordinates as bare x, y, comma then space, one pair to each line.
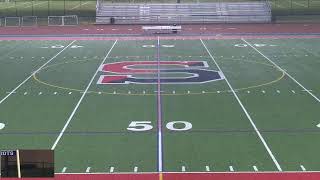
44, 8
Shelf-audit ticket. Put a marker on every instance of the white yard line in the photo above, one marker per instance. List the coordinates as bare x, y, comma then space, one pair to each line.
80, 100
80, 5
159, 111
245, 111
16, 88
285, 72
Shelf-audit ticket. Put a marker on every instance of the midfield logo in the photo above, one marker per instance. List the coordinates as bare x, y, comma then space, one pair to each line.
146, 72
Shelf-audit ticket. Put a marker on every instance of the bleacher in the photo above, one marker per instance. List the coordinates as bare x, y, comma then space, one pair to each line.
223, 12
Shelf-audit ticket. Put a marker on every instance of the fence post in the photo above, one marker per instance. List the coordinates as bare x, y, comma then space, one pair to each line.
15, 5
291, 10
48, 7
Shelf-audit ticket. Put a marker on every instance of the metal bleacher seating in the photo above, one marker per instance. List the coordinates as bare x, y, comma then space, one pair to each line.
223, 12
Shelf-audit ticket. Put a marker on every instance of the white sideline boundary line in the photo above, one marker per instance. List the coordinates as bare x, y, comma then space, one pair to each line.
203, 172
34, 72
282, 70
80, 100
245, 111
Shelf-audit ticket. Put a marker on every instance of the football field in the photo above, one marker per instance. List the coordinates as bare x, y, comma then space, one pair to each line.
125, 106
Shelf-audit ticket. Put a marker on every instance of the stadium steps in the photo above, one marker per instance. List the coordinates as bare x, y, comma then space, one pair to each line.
228, 12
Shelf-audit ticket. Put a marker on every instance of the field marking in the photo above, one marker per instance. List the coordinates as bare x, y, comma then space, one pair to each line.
183, 169
2, 125
151, 94
231, 168
245, 111
80, 100
199, 172
207, 168
34, 72
111, 170
159, 111
285, 72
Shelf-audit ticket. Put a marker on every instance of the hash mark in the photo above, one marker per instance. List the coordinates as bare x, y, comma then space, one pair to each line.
231, 168
111, 169
207, 168
183, 168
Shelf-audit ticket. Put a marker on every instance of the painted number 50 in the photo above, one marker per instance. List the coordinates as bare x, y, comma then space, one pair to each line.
146, 126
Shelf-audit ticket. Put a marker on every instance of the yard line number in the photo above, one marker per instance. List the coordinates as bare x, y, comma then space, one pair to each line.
146, 126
